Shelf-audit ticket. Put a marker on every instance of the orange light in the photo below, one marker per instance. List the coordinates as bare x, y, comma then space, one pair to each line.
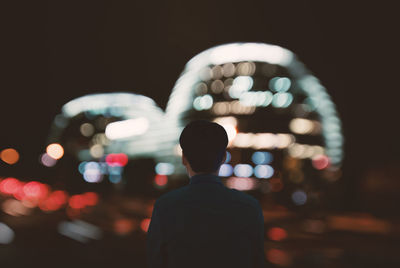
144, 225
10, 156
277, 234
55, 150
124, 226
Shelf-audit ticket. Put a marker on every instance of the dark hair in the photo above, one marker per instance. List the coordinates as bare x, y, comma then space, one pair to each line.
204, 144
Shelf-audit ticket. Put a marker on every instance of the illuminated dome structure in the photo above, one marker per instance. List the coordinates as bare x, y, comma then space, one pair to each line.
104, 131
285, 135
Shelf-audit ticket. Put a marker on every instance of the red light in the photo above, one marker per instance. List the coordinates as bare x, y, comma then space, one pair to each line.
59, 197
54, 201
320, 162
77, 202
279, 257
277, 234
10, 186
91, 198
144, 225
161, 180
35, 190
117, 159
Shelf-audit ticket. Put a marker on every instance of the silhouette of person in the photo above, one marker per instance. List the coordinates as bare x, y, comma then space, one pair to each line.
205, 224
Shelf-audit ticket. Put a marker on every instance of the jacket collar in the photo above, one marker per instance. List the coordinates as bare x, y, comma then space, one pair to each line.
205, 178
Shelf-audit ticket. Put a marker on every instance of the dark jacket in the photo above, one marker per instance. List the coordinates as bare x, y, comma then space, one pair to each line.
206, 224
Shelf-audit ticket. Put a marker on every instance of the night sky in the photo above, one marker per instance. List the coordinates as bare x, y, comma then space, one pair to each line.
56, 51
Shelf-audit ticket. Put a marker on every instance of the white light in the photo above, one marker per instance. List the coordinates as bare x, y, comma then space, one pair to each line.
127, 128
282, 100
301, 126
225, 170
229, 123
92, 172
164, 168
6, 234
80, 230
96, 151
263, 171
243, 170
206, 102
240, 84
265, 141
256, 98
284, 140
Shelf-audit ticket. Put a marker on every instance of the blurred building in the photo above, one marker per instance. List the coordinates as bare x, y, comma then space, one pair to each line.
285, 134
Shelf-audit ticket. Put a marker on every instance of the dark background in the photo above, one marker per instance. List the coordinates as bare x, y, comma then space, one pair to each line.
56, 51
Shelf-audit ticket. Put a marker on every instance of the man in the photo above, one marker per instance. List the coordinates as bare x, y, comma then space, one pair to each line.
205, 224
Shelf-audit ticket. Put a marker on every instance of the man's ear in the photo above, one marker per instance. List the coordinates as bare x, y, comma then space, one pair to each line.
184, 160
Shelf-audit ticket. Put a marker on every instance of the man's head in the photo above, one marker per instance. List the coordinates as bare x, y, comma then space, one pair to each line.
203, 146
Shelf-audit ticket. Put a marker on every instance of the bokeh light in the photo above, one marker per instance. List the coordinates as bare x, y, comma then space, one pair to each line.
277, 234
47, 160
299, 197
55, 150
9, 155
144, 224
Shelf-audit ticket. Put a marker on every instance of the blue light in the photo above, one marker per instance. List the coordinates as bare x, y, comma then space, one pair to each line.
243, 170
228, 157
261, 158
225, 170
280, 84
164, 168
263, 171
282, 99
114, 170
81, 167
115, 178
299, 197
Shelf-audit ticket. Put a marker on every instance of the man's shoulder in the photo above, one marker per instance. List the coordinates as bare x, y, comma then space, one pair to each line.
171, 197
246, 198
